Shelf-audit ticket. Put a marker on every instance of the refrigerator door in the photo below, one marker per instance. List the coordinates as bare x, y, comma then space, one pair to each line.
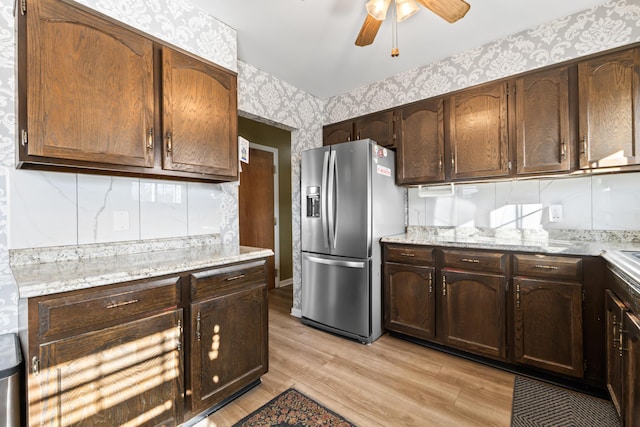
336, 294
349, 199
313, 182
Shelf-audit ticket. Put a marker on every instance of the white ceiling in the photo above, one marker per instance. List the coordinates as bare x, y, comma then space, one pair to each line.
310, 43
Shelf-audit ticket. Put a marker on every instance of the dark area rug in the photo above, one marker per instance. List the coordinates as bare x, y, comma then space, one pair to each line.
540, 404
293, 409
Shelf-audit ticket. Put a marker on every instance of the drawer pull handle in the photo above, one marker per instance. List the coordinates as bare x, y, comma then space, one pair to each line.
546, 267
407, 254
122, 304
469, 260
239, 276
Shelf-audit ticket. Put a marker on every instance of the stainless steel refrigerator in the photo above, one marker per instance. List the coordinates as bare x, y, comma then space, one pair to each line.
349, 201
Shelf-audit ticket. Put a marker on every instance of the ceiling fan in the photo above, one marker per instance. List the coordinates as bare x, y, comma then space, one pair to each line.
449, 10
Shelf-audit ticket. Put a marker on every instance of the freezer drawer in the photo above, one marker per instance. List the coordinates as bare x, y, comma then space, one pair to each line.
336, 293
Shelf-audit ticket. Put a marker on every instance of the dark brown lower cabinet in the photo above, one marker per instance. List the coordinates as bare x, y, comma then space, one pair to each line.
548, 325
229, 332
409, 300
631, 369
623, 360
615, 314
535, 312
130, 374
121, 355
473, 312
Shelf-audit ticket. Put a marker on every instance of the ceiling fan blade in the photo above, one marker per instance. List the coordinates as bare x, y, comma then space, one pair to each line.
368, 31
449, 10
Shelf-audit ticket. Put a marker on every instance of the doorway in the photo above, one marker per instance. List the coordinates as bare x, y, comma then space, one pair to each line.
258, 205
268, 135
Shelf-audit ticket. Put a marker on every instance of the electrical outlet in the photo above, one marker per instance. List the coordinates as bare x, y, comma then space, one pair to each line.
555, 213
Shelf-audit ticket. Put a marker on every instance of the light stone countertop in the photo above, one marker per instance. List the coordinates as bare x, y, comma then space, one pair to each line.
82, 267
562, 243
611, 245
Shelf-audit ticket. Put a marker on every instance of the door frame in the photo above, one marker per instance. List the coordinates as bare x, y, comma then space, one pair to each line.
276, 206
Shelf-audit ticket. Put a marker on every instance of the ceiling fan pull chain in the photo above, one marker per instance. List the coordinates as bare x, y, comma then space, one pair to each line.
395, 51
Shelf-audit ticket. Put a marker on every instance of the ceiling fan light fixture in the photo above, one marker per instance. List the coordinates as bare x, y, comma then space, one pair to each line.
405, 9
378, 8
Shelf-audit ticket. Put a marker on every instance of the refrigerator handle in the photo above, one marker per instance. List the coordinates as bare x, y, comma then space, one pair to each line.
336, 263
324, 199
332, 198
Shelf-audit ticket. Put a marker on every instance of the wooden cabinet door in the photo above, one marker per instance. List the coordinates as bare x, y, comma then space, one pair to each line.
542, 122
129, 374
378, 127
615, 312
90, 88
473, 312
229, 345
548, 325
337, 133
609, 103
409, 303
200, 126
420, 145
631, 369
478, 133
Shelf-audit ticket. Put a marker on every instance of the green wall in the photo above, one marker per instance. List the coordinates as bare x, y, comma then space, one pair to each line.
263, 134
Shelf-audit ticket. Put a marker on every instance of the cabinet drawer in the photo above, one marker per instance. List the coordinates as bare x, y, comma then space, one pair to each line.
410, 254
472, 260
567, 268
226, 280
96, 308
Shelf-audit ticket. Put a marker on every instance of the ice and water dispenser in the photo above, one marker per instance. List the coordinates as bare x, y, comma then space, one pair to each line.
313, 201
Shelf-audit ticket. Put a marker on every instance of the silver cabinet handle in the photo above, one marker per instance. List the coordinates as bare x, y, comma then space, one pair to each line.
471, 261
229, 279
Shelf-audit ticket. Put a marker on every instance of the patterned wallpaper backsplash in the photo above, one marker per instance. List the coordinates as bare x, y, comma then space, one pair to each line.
82, 215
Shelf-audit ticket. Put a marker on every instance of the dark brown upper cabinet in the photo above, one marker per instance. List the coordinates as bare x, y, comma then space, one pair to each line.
378, 127
199, 132
90, 91
543, 138
609, 102
420, 144
479, 146
95, 96
337, 133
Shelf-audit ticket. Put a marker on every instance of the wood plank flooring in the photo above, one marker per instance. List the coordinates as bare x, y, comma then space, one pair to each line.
389, 383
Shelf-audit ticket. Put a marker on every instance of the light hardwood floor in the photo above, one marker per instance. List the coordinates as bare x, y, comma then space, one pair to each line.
389, 383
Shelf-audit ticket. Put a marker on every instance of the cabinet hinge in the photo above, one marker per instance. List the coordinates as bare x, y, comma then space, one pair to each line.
274, 170
275, 221
584, 365
23, 7
35, 365
584, 295
24, 137
506, 285
510, 165
275, 272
